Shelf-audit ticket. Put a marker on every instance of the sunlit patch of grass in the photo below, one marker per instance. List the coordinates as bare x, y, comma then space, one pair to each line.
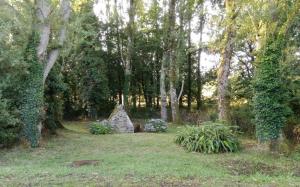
146, 159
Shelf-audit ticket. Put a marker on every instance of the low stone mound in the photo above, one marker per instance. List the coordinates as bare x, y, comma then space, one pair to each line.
120, 121
156, 125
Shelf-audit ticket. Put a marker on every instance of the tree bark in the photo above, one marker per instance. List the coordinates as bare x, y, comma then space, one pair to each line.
128, 64
174, 103
163, 94
65, 10
172, 66
224, 68
42, 13
157, 80
163, 72
199, 78
189, 60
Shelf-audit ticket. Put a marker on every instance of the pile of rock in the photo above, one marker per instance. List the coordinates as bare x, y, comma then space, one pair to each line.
119, 121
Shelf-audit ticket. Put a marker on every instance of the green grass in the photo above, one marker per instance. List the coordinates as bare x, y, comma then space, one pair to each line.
141, 159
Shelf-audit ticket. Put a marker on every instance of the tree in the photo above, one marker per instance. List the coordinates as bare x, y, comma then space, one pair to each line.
199, 79
226, 57
164, 64
172, 65
270, 96
40, 62
130, 52
188, 12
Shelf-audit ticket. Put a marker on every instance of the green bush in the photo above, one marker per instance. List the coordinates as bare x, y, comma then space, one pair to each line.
156, 125
209, 137
100, 128
9, 125
242, 116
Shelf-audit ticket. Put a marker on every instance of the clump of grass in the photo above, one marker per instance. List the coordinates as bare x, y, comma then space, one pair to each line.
210, 137
99, 128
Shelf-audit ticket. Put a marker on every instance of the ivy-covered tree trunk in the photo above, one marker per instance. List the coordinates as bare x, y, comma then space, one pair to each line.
224, 67
269, 93
40, 62
31, 109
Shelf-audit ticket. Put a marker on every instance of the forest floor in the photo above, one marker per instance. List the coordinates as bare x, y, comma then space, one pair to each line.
140, 159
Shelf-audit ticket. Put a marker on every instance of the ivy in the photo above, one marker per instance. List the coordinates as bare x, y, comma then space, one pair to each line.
269, 91
32, 96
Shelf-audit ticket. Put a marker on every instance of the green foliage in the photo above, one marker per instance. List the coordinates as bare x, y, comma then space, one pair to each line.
99, 128
210, 137
156, 125
85, 68
9, 126
13, 40
242, 116
32, 96
54, 89
269, 91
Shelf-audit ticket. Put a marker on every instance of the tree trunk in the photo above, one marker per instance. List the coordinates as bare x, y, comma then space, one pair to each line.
157, 87
189, 62
199, 78
163, 94
31, 109
65, 11
120, 52
43, 8
32, 100
174, 104
172, 66
128, 64
224, 68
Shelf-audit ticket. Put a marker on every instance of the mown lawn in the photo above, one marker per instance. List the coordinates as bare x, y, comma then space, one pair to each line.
140, 159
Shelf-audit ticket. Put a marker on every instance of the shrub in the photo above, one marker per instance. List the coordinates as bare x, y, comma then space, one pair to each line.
100, 128
242, 116
9, 125
208, 138
156, 125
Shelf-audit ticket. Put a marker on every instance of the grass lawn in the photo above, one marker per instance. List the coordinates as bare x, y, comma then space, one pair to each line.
140, 159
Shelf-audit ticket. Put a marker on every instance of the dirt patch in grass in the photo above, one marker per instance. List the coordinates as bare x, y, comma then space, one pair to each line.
179, 183
131, 179
79, 163
296, 172
243, 167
